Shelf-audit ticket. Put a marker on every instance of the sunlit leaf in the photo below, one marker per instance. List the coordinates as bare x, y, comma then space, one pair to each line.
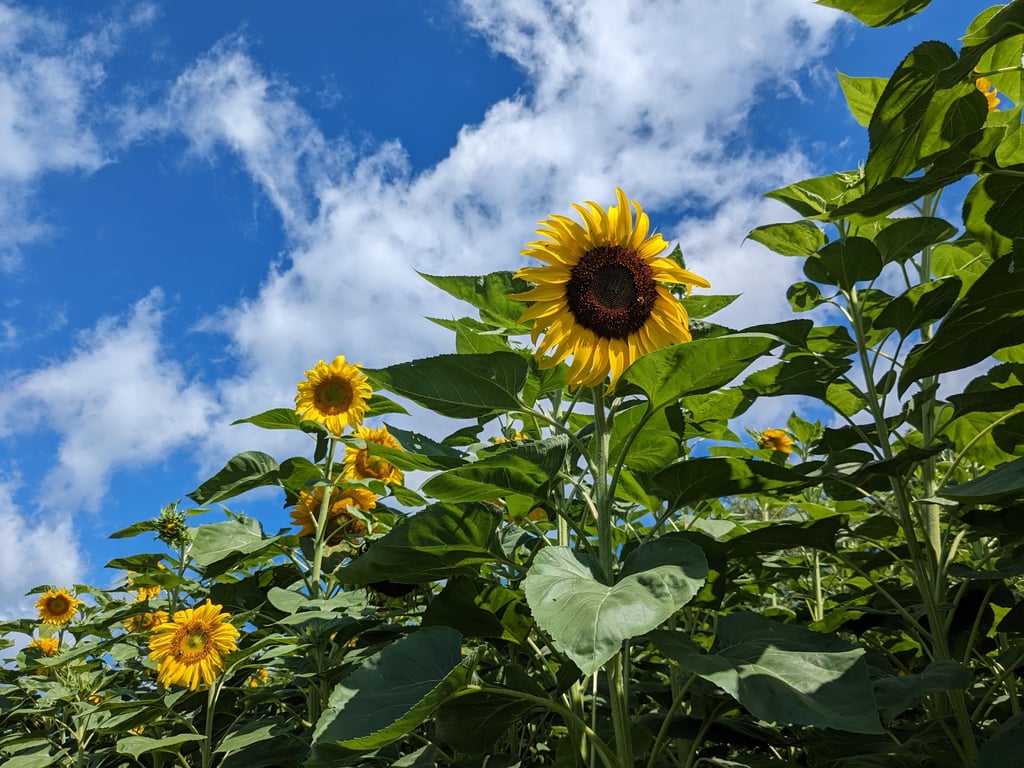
488, 293
878, 13
798, 238
587, 619
460, 386
920, 304
862, 94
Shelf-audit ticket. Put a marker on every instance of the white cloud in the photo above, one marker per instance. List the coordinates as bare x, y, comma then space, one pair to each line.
35, 549
115, 402
618, 94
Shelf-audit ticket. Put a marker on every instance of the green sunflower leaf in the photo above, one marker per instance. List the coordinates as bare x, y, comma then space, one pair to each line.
782, 673
391, 693
437, 543
702, 365
459, 386
587, 619
709, 478
862, 94
243, 472
488, 293
797, 238
878, 13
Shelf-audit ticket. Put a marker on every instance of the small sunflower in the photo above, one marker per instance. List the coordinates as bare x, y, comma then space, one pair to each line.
342, 522
190, 649
57, 607
517, 435
144, 592
335, 395
258, 678
600, 298
777, 440
48, 646
360, 464
989, 92
145, 622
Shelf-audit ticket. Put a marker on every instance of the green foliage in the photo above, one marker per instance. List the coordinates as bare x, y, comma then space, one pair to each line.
619, 578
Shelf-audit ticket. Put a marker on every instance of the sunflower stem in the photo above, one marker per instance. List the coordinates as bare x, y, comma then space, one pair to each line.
211, 705
617, 668
321, 521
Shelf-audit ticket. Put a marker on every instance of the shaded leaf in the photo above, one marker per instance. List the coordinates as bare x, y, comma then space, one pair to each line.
480, 610
920, 304
474, 721
392, 692
437, 543
707, 478
782, 673
895, 695
1006, 480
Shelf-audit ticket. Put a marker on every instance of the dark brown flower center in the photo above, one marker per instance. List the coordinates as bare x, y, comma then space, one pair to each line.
58, 606
334, 396
611, 291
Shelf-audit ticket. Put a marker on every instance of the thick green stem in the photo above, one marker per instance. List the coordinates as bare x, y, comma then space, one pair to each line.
321, 522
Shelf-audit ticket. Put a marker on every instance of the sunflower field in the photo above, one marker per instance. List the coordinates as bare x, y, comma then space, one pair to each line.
596, 566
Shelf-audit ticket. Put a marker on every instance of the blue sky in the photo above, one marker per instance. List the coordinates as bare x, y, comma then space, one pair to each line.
198, 201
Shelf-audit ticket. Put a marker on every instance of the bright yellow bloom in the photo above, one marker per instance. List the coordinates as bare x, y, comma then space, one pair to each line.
517, 435
48, 646
190, 649
145, 622
777, 440
57, 607
600, 298
335, 395
361, 465
990, 93
342, 522
258, 678
145, 592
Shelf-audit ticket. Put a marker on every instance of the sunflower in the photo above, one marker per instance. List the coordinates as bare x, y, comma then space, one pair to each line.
342, 521
190, 649
777, 440
58, 606
144, 592
335, 395
145, 622
600, 296
48, 646
258, 678
989, 92
360, 464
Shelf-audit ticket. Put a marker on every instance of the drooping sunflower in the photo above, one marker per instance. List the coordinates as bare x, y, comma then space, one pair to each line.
335, 395
601, 296
990, 93
777, 440
145, 622
342, 522
190, 648
360, 464
48, 646
57, 607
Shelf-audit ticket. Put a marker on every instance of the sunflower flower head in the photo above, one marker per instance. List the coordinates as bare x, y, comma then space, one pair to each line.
342, 522
172, 527
190, 648
360, 464
57, 607
777, 440
145, 622
48, 646
258, 678
601, 296
989, 92
335, 395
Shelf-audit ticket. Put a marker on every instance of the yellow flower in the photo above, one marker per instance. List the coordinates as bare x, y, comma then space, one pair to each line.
777, 440
600, 296
989, 91
335, 395
145, 592
145, 622
517, 435
342, 522
190, 649
48, 646
258, 678
56, 607
361, 465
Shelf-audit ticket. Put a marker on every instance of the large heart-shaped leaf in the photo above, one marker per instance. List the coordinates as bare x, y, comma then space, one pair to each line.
587, 619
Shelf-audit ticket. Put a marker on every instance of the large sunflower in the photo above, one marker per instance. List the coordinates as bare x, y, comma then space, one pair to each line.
360, 464
57, 607
335, 395
600, 296
190, 649
342, 522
